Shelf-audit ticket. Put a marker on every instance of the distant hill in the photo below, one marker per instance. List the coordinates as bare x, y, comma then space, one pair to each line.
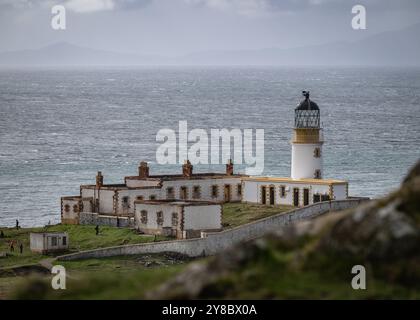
393, 48
397, 48
66, 54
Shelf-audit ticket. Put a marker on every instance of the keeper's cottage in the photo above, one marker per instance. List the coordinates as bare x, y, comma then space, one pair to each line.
185, 204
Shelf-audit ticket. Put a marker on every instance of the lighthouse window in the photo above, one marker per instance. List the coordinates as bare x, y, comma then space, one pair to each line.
317, 174
317, 153
67, 208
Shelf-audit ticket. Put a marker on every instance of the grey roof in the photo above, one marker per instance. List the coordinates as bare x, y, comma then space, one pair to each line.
307, 104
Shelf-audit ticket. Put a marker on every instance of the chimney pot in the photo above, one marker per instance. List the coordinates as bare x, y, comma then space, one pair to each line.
187, 169
143, 170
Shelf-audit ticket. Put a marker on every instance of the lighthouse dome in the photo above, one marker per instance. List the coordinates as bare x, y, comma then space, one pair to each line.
307, 104
307, 113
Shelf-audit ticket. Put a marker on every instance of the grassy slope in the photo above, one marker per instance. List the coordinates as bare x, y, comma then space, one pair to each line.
116, 277
126, 277
235, 214
80, 238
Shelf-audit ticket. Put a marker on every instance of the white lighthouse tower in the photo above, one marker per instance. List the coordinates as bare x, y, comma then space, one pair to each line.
307, 141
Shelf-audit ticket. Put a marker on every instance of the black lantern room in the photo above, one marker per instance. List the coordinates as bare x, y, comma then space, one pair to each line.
307, 114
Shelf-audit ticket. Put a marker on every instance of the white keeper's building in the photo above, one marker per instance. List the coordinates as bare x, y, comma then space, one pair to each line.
159, 203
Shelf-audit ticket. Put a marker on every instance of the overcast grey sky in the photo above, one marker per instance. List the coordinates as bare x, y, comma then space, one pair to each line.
174, 27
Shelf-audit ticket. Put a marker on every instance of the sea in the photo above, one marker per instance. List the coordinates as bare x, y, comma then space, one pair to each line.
59, 126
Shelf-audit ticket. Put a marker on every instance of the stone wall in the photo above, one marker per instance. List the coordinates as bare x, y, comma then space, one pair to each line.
89, 218
214, 242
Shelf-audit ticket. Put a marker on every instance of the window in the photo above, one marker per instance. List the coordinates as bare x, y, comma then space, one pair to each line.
67, 208
174, 219
54, 241
75, 208
317, 152
159, 218
140, 198
283, 191
317, 174
125, 201
143, 217
196, 192
64, 241
183, 194
239, 189
170, 193
152, 197
317, 198
325, 197
214, 191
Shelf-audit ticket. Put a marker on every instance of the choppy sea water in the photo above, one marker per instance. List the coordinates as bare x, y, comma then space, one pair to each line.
58, 127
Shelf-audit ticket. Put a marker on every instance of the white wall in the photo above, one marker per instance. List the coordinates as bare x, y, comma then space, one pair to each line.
202, 217
152, 210
205, 187
304, 163
340, 191
132, 195
136, 183
106, 201
71, 214
252, 191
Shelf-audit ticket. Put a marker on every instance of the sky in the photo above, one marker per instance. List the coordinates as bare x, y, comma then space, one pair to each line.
178, 27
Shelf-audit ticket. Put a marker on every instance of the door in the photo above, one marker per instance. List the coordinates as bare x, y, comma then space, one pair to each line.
296, 197
227, 192
305, 197
272, 194
263, 195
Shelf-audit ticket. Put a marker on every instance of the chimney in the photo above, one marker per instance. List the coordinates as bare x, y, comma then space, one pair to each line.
187, 169
143, 170
99, 179
229, 168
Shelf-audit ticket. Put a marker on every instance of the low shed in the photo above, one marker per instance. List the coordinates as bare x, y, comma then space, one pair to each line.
46, 242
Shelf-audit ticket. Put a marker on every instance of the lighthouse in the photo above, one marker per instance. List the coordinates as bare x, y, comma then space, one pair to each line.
307, 141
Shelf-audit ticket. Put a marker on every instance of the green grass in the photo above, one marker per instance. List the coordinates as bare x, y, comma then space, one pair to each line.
80, 238
236, 214
95, 279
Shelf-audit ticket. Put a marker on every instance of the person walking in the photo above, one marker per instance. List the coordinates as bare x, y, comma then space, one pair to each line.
97, 229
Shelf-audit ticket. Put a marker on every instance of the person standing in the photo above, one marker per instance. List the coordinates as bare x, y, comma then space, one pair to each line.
21, 248
97, 229
17, 224
12, 246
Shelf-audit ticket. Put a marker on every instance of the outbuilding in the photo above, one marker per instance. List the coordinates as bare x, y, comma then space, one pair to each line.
178, 218
47, 242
